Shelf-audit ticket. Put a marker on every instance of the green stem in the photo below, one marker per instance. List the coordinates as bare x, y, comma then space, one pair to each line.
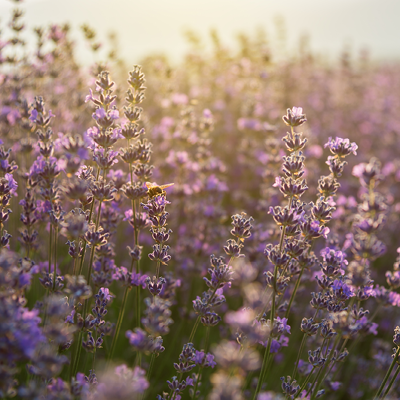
325, 367
312, 385
263, 367
359, 337
303, 342
148, 375
294, 293
138, 306
90, 219
55, 258
78, 354
248, 380
375, 312
201, 368
305, 383
50, 257
94, 350
191, 337
264, 310
89, 275
73, 271
197, 382
330, 369
272, 316
343, 345
391, 382
326, 348
83, 257
208, 302
158, 266
199, 318
153, 357
174, 395
134, 206
87, 301
119, 323
50, 247
137, 290
269, 361
388, 373
207, 340
136, 234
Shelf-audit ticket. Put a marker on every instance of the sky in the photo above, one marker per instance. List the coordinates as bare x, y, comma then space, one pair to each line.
157, 26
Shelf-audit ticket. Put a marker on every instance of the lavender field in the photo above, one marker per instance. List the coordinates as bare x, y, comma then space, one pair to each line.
225, 227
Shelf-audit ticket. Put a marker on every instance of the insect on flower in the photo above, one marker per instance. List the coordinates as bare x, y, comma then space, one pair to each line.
154, 190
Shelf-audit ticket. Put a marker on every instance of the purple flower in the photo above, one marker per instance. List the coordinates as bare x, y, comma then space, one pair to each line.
394, 299
204, 360
284, 324
358, 170
70, 318
12, 183
335, 385
297, 111
99, 113
341, 290
89, 97
241, 317
127, 381
315, 225
34, 115
278, 182
285, 216
105, 160
128, 215
26, 334
210, 360
25, 279
213, 183
137, 338
294, 117
114, 114
189, 381
41, 166
104, 294
366, 326
341, 147
313, 229
139, 279
199, 357
365, 292
385, 296
283, 341
57, 386
334, 257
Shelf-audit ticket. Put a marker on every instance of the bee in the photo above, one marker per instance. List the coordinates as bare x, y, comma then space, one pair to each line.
154, 190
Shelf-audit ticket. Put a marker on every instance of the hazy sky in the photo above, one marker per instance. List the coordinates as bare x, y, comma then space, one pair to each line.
156, 25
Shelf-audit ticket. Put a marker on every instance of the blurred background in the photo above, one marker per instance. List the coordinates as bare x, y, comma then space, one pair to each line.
158, 26
219, 76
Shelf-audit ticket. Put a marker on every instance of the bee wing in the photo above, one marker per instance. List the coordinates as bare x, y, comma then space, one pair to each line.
150, 185
165, 186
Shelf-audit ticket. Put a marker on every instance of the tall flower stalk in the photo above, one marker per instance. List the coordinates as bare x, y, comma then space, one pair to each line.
289, 218
137, 155
103, 136
396, 341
